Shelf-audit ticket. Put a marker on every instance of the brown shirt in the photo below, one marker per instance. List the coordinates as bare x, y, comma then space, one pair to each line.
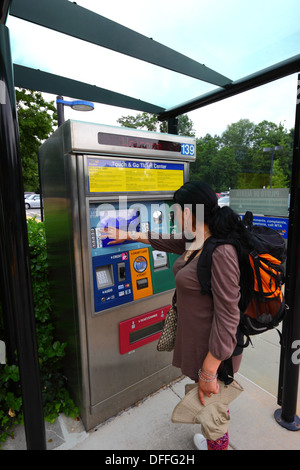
204, 323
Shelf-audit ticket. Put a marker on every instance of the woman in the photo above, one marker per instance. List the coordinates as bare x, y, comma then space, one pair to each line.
206, 331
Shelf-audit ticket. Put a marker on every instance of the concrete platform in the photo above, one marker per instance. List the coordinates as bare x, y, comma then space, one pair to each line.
147, 425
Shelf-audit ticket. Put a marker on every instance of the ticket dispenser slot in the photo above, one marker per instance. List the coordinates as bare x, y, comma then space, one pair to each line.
121, 272
160, 259
141, 330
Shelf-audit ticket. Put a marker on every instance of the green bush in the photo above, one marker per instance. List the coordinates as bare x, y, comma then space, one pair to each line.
56, 398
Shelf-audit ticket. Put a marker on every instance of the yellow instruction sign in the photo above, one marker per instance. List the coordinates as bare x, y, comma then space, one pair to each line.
131, 176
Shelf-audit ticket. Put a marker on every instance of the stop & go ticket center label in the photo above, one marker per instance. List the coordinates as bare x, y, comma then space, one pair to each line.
133, 175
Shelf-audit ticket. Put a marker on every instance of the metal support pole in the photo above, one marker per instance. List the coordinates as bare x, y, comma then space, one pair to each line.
173, 125
290, 355
60, 111
17, 298
271, 170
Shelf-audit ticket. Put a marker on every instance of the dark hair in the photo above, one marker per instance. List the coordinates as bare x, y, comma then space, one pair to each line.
223, 223
195, 193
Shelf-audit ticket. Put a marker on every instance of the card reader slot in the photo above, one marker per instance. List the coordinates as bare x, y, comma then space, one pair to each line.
121, 272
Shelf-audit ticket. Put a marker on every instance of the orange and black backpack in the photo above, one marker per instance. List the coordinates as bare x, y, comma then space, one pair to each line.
262, 304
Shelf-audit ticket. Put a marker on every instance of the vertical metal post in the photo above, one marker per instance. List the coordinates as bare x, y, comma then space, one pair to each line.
60, 111
271, 170
173, 125
290, 355
40, 188
17, 298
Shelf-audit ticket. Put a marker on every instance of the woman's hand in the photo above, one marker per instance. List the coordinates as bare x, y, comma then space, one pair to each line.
207, 389
117, 236
120, 236
208, 384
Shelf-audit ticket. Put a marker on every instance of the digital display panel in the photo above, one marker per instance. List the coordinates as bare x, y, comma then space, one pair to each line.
138, 142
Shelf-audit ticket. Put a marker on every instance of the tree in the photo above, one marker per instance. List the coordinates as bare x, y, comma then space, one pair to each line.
225, 170
268, 134
140, 121
185, 126
279, 180
236, 158
150, 122
239, 137
206, 149
36, 120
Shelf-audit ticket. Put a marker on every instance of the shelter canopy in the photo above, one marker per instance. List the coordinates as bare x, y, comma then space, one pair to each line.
165, 57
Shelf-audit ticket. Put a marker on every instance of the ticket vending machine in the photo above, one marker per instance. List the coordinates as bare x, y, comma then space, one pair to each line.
110, 300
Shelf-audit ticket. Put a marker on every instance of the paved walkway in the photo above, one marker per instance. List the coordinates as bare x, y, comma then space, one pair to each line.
147, 425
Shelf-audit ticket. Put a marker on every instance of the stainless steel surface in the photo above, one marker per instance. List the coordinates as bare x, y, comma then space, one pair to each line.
84, 140
103, 381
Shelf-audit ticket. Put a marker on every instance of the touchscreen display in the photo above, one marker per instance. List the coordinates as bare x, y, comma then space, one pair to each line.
123, 219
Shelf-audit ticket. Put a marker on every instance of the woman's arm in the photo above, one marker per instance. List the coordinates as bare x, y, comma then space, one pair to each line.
225, 277
121, 236
162, 242
226, 295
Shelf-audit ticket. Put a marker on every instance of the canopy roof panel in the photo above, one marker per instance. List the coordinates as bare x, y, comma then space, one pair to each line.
163, 57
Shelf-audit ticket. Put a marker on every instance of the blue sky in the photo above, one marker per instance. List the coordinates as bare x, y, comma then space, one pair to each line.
235, 38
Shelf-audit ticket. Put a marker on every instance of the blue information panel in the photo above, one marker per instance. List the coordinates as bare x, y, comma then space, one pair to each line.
280, 224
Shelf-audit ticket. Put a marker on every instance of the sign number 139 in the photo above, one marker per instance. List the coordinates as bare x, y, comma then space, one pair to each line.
187, 149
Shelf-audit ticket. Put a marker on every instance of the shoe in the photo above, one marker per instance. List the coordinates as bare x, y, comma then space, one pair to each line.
200, 442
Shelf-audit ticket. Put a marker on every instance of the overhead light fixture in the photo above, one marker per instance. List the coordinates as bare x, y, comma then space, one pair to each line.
77, 105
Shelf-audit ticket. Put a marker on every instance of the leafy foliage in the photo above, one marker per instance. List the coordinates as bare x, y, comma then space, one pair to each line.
36, 118
56, 398
150, 122
236, 158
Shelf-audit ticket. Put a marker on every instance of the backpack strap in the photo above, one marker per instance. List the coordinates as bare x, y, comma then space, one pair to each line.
225, 374
193, 255
248, 219
204, 264
256, 263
